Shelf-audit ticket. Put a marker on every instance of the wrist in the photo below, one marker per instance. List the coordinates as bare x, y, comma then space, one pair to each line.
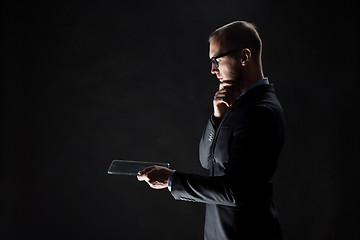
216, 120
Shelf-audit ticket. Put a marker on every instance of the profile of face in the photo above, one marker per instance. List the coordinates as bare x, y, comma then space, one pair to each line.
229, 68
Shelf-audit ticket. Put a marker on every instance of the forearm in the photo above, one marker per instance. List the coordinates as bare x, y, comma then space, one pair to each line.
195, 188
221, 190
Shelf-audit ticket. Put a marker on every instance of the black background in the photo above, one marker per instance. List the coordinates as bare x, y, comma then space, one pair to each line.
85, 82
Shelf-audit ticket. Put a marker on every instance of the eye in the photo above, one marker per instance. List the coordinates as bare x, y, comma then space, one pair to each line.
218, 60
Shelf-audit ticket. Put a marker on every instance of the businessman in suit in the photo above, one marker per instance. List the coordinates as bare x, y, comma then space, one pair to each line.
240, 145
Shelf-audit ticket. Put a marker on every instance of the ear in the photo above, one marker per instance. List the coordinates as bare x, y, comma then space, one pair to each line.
245, 56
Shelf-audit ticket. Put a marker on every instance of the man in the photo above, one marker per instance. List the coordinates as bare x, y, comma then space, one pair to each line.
240, 145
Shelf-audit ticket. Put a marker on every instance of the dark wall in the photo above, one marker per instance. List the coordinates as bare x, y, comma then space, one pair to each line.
86, 82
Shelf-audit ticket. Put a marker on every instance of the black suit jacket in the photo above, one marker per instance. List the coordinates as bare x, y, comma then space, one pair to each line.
241, 153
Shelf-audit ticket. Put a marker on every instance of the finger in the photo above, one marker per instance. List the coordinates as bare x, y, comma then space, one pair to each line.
221, 98
220, 101
142, 178
145, 170
226, 92
223, 102
226, 83
146, 175
228, 96
152, 185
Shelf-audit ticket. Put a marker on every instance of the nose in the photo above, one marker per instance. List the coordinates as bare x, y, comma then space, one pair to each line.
214, 70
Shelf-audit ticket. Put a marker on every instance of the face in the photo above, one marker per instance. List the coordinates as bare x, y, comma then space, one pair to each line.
229, 68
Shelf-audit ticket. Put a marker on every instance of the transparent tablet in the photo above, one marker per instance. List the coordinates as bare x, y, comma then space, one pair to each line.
126, 167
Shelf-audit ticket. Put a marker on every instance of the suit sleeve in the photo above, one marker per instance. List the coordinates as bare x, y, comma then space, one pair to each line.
249, 169
205, 154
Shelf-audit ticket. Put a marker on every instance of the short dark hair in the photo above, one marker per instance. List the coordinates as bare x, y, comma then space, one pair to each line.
240, 34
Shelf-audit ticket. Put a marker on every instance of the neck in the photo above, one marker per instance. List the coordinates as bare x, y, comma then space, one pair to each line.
250, 77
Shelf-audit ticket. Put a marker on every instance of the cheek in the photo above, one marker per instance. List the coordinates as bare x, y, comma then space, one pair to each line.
233, 70
224, 69
227, 72
228, 69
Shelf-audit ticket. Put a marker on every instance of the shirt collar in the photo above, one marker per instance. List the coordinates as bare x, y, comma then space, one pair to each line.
255, 84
